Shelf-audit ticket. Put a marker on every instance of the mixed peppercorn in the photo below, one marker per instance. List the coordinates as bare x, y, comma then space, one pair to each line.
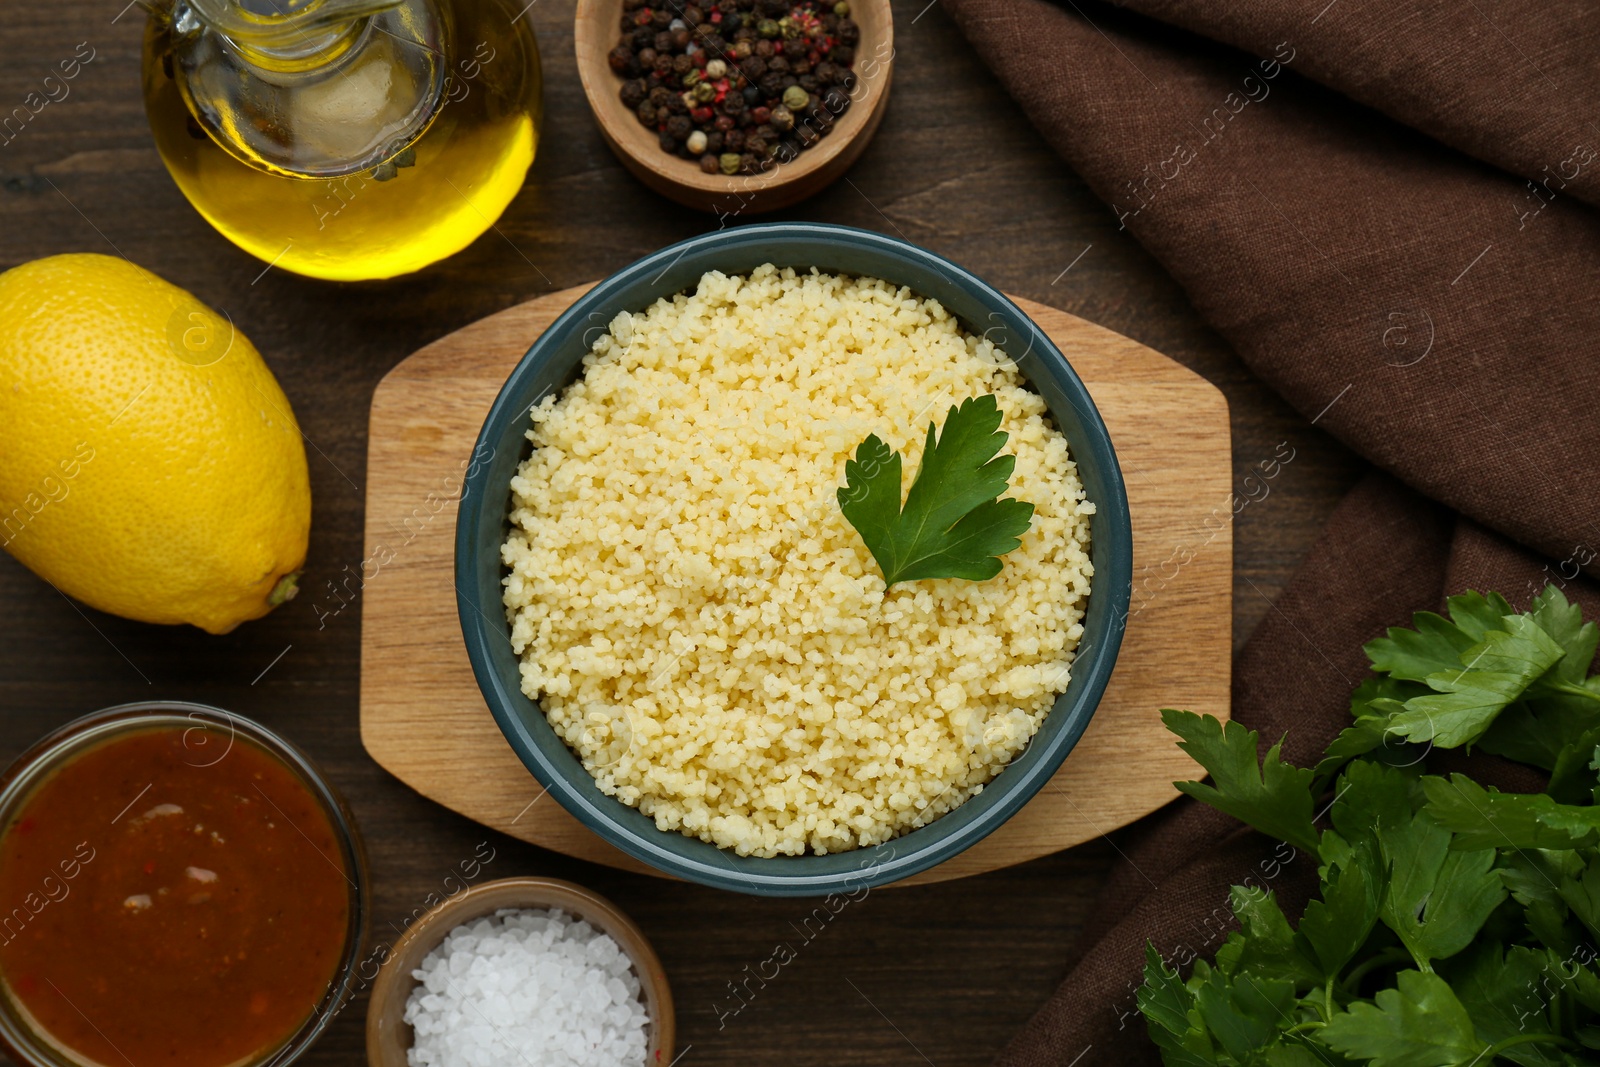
739, 85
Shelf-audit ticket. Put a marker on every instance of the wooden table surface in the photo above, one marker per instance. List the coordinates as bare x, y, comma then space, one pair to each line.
942, 974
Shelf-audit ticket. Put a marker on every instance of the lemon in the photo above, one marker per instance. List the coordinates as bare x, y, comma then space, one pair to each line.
150, 465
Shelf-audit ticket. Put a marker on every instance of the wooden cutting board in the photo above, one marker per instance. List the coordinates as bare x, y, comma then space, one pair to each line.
422, 717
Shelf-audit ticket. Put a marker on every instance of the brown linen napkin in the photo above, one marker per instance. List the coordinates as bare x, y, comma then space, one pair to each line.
1409, 299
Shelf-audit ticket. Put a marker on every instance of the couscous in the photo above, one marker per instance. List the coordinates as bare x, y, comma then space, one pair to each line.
702, 625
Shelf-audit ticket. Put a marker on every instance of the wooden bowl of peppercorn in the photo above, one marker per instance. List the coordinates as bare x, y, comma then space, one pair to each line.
736, 106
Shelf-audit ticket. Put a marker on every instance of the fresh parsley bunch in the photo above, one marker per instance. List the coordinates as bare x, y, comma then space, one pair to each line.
1455, 924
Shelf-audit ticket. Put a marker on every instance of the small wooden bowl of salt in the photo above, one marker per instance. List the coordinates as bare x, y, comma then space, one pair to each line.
572, 958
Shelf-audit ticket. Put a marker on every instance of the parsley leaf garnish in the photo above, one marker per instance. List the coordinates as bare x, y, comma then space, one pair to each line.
952, 524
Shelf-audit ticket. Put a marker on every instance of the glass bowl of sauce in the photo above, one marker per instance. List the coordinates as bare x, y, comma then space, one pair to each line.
178, 886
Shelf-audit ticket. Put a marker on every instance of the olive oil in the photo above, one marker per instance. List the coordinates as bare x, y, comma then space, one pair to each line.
328, 179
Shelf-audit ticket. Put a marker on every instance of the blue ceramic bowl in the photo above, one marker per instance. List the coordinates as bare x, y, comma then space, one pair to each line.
554, 361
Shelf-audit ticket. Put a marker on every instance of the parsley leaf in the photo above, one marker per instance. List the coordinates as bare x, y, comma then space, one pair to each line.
1271, 795
1491, 674
1437, 898
1488, 818
1171, 1016
1419, 1024
1337, 925
1563, 621
1267, 944
1244, 1012
1501, 988
952, 524
1411, 655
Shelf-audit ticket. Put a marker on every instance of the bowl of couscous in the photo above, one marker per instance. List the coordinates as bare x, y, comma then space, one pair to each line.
686, 634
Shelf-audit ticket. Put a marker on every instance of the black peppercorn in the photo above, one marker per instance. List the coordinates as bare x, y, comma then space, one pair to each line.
736, 85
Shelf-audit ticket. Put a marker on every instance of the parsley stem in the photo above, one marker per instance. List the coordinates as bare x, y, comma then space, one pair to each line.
1573, 690
1311, 1024
1387, 956
1522, 1039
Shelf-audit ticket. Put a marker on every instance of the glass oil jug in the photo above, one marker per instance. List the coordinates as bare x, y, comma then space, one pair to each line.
344, 139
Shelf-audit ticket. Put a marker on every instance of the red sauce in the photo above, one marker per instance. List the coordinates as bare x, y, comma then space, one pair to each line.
157, 907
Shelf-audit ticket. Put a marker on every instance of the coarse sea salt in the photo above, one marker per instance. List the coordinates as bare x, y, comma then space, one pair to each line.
527, 988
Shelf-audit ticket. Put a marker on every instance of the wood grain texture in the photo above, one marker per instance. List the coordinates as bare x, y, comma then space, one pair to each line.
423, 719
596, 32
944, 972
